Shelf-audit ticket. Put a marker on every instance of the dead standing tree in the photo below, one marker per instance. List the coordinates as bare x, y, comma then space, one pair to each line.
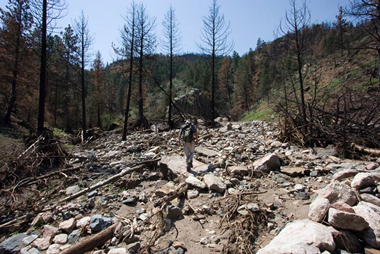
145, 43
295, 26
214, 42
128, 40
171, 45
85, 41
45, 12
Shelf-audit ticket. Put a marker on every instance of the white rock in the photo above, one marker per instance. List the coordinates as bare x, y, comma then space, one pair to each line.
301, 236
362, 180
318, 209
193, 181
214, 183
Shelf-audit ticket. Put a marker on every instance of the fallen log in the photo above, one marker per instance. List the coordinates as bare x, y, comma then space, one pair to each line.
363, 149
92, 242
108, 181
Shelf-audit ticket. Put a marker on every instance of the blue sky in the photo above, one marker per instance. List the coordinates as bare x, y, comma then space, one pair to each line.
249, 19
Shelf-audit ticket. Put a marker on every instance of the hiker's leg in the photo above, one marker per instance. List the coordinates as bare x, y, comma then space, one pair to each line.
192, 150
186, 149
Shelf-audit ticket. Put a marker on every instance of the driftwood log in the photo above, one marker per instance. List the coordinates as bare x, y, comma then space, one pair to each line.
375, 152
92, 242
109, 180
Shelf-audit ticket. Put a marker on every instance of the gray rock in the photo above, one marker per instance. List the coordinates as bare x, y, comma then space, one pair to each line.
344, 220
29, 250
72, 190
301, 236
214, 183
74, 236
270, 162
29, 239
12, 244
92, 194
193, 181
129, 201
318, 209
98, 223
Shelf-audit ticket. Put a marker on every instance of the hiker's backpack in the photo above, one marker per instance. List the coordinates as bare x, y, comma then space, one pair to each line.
188, 133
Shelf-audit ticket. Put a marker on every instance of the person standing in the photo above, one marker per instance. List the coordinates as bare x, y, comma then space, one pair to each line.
188, 136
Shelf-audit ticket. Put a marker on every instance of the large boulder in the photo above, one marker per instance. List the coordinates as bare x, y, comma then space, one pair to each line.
371, 214
214, 183
338, 192
270, 162
318, 209
362, 180
301, 236
344, 220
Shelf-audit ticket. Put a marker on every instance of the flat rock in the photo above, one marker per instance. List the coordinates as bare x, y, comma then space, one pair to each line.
193, 181
12, 244
349, 221
362, 180
238, 170
371, 214
343, 174
205, 151
294, 171
343, 207
270, 162
370, 199
318, 209
301, 236
214, 183
81, 223
177, 165
117, 251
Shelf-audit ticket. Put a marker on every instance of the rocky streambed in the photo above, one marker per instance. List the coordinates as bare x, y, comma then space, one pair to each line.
247, 193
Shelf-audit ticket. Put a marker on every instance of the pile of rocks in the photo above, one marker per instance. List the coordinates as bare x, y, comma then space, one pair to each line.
345, 216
